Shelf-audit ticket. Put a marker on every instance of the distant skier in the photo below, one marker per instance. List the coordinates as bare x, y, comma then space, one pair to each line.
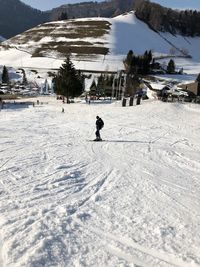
165, 94
99, 126
139, 96
1, 104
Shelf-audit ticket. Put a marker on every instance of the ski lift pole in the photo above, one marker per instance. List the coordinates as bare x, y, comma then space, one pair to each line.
124, 87
120, 88
113, 87
118, 84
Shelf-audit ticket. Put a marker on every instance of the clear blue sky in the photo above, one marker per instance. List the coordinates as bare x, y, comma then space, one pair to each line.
181, 4
49, 4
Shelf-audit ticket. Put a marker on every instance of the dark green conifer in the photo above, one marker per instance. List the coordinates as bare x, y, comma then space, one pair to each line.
5, 76
171, 67
67, 81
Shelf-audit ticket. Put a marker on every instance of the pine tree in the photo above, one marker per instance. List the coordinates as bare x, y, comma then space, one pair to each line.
67, 82
129, 57
101, 84
171, 67
63, 16
24, 79
150, 57
5, 76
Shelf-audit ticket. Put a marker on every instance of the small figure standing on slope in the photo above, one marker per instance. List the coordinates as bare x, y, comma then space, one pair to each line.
139, 96
99, 126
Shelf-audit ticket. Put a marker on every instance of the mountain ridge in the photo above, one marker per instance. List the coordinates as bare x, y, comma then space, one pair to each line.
16, 17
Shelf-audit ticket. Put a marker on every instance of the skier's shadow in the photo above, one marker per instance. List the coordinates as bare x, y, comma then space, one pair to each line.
126, 141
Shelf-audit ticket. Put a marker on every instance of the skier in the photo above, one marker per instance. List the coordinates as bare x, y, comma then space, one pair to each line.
139, 96
164, 94
99, 126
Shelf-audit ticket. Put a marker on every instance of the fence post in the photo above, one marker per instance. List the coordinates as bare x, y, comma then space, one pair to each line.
123, 102
131, 101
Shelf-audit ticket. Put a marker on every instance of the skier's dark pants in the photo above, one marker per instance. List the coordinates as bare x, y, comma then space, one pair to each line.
98, 134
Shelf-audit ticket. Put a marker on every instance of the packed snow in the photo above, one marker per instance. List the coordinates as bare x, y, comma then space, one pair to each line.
131, 200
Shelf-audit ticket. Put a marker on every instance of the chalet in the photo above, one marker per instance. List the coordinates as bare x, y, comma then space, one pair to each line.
192, 87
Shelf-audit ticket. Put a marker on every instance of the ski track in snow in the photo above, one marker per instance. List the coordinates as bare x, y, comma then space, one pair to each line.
132, 200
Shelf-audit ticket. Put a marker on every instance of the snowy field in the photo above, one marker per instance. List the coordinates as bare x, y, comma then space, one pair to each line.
132, 200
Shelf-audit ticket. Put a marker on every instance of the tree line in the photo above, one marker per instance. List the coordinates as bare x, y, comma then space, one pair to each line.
145, 64
138, 64
6, 79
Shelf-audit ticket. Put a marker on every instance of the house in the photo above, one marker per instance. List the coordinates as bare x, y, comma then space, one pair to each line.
91, 85
192, 87
93, 88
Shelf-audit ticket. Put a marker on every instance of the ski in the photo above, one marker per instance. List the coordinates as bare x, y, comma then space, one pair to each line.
95, 140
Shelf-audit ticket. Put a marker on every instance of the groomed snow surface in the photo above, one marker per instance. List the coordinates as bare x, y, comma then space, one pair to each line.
132, 200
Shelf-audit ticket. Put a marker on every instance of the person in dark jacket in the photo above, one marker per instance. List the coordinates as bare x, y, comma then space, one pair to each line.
99, 126
165, 94
139, 96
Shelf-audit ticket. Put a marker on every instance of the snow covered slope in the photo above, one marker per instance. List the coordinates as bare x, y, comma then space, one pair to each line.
131, 32
95, 43
132, 200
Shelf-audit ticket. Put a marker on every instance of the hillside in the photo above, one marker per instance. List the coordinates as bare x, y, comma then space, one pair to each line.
81, 37
16, 17
132, 200
95, 43
159, 18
